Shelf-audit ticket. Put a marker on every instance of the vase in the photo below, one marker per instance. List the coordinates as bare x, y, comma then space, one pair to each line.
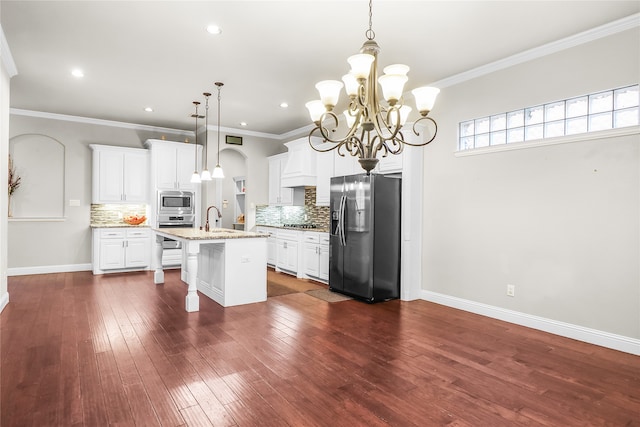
9, 214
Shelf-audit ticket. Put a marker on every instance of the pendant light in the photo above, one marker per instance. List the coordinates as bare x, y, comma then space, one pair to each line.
218, 173
206, 175
195, 178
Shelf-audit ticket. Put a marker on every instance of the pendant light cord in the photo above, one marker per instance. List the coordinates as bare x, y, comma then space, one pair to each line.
219, 84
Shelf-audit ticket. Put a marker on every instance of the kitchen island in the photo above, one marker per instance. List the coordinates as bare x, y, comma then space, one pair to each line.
228, 266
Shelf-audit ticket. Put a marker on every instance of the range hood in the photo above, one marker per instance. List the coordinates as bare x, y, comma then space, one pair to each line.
300, 169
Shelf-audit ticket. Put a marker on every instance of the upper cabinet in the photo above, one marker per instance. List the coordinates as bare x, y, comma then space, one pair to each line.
120, 174
173, 164
324, 166
279, 195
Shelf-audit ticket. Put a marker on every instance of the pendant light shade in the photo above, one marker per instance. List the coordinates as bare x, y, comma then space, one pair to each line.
218, 172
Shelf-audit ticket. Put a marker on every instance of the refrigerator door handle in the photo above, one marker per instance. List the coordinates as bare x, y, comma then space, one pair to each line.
343, 203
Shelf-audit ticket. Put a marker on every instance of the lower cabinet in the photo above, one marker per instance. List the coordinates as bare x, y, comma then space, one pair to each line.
316, 256
287, 245
120, 249
271, 244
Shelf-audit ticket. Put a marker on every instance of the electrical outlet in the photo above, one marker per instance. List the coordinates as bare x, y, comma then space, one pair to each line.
511, 290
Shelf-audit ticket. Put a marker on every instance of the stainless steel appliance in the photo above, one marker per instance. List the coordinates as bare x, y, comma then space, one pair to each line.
175, 209
171, 202
364, 254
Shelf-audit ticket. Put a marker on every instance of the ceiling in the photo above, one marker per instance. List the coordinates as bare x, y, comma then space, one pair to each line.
157, 53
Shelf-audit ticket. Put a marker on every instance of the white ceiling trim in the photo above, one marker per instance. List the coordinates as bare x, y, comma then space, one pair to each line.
602, 31
92, 121
5, 54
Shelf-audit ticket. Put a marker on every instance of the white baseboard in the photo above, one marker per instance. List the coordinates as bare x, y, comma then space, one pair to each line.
4, 300
568, 330
45, 269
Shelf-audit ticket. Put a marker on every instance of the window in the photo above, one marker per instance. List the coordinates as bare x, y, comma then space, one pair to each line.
609, 109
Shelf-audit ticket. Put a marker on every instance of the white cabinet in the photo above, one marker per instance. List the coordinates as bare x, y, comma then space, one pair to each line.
347, 165
316, 255
118, 249
173, 163
271, 244
324, 167
287, 246
279, 195
393, 162
120, 174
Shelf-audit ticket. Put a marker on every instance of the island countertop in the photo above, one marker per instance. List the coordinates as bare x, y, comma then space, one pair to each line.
213, 234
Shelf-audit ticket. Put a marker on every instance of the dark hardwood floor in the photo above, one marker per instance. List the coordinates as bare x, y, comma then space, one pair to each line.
117, 350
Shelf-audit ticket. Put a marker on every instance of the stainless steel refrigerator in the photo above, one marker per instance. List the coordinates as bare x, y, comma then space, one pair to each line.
364, 254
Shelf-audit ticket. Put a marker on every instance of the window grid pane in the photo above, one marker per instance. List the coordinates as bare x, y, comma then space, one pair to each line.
604, 110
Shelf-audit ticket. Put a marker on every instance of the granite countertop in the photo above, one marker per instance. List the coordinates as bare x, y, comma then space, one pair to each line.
118, 225
214, 234
317, 230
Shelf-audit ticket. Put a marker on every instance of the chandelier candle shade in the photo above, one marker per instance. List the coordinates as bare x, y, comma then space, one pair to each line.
218, 173
372, 126
206, 175
195, 178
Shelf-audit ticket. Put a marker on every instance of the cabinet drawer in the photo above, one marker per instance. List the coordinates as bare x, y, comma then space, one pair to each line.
117, 233
324, 238
311, 237
288, 235
138, 233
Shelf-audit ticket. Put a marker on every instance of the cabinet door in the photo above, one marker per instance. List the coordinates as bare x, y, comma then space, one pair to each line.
311, 259
323, 179
136, 172
391, 163
111, 173
281, 253
138, 252
286, 194
185, 165
111, 254
292, 256
323, 269
347, 165
165, 164
274, 181
271, 251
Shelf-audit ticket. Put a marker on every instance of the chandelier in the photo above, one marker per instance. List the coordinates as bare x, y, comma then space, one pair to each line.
373, 126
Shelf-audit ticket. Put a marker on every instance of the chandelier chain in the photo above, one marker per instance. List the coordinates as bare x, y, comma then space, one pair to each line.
370, 34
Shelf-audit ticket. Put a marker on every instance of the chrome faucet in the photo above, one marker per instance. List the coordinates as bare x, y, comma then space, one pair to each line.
206, 225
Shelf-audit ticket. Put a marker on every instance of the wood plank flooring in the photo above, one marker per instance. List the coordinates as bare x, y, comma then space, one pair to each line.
117, 350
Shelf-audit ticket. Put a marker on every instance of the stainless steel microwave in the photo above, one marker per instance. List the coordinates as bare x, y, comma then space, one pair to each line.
176, 202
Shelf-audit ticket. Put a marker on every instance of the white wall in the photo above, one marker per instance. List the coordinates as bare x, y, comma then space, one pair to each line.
66, 244
561, 222
7, 70
255, 149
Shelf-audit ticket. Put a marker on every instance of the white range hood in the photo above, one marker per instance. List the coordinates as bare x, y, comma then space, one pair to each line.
300, 169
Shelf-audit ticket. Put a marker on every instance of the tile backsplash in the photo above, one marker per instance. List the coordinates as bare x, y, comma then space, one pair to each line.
278, 215
110, 214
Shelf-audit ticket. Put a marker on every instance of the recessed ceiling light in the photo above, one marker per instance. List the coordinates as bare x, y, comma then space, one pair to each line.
284, 105
148, 109
77, 73
214, 29
243, 123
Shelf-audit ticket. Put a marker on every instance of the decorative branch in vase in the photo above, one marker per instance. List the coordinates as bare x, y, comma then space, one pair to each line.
14, 183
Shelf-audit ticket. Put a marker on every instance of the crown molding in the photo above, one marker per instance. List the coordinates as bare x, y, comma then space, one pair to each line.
624, 24
99, 122
5, 55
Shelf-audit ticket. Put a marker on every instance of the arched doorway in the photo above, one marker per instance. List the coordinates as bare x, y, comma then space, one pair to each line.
228, 194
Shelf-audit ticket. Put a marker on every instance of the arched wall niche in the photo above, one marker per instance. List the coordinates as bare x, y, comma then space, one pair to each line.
39, 160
